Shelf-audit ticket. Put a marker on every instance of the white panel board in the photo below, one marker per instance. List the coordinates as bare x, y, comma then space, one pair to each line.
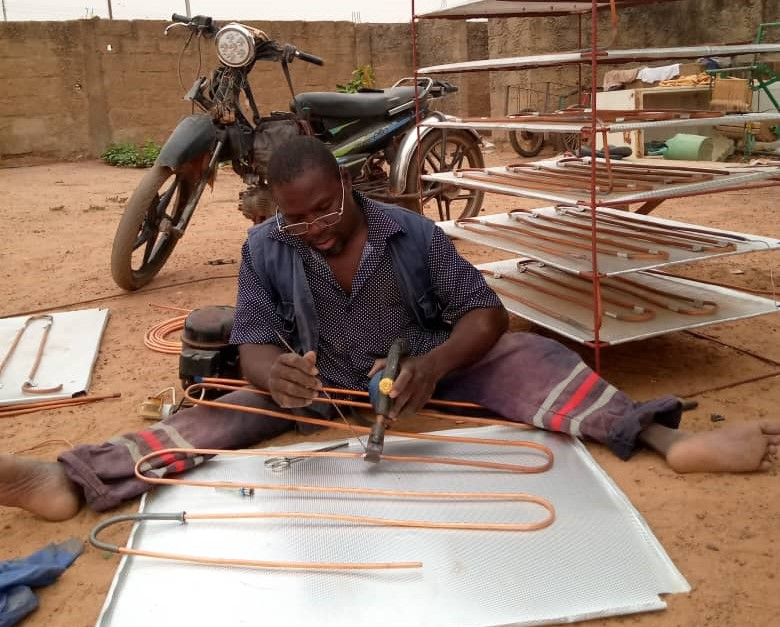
576, 321
68, 359
598, 558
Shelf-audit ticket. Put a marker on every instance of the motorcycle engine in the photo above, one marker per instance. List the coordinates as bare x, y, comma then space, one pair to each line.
256, 203
205, 346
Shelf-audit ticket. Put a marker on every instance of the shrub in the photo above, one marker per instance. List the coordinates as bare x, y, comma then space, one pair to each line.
129, 155
361, 77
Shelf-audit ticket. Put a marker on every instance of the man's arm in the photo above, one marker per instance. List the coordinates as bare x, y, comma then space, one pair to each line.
472, 336
477, 316
290, 378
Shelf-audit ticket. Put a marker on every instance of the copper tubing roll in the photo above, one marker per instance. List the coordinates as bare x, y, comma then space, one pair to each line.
155, 337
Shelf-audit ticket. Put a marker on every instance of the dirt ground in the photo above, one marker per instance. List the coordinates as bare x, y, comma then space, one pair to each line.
722, 532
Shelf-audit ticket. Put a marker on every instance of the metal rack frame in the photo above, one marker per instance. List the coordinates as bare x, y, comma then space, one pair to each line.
604, 256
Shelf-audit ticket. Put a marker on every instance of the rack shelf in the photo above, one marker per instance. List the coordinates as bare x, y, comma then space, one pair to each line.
611, 127
713, 304
731, 179
637, 249
604, 57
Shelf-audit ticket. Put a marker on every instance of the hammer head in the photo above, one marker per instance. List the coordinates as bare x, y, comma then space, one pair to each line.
376, 441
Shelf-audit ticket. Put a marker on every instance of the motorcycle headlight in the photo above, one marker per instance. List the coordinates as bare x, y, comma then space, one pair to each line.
235, 45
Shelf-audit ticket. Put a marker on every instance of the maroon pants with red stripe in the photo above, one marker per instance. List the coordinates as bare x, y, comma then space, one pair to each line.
525, 378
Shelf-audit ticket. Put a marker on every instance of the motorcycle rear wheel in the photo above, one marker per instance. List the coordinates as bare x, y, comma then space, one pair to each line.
445, 202
141, 247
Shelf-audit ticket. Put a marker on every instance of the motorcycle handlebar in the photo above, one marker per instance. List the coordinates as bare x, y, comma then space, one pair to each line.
309, 58
202, 23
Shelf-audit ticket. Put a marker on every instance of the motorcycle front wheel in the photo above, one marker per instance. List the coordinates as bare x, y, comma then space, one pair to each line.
443, 153
144, 238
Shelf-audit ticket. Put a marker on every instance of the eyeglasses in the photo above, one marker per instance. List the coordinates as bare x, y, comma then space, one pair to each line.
324, 221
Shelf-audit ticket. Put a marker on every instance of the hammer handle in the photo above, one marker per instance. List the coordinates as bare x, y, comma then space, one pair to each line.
393, 365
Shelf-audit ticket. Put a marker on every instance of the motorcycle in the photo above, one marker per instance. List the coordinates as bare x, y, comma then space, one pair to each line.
372, 133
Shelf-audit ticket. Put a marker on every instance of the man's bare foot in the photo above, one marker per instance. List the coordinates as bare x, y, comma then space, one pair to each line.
42, 488
743, 447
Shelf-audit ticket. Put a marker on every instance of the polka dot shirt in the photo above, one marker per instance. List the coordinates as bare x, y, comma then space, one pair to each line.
358, 328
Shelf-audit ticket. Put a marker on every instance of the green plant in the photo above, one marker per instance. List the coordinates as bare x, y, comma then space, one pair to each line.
130, 155
362, 77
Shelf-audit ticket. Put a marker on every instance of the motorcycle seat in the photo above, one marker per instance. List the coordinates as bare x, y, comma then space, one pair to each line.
328, 104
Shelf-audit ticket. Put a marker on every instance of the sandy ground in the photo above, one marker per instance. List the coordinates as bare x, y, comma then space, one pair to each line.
722, 532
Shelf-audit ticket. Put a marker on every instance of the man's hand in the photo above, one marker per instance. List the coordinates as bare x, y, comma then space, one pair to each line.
293, 381
414, 385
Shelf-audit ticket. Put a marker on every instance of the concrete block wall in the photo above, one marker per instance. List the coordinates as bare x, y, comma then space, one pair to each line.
72, 88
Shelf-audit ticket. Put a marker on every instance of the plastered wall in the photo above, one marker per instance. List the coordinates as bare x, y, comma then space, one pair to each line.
71, 88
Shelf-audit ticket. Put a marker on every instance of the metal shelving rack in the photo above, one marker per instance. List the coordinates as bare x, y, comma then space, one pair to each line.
587, 271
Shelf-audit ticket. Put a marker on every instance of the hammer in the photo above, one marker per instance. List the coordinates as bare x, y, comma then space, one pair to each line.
382, 401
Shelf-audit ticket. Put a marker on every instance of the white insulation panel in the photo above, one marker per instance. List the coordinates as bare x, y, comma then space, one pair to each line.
597, 559
68, 358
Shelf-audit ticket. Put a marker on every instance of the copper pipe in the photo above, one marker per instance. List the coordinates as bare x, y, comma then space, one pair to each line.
673, 241
8, 411
640, 313
29, 386
637, 252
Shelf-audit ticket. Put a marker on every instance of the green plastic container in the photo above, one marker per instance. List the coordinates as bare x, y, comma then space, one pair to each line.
689, 148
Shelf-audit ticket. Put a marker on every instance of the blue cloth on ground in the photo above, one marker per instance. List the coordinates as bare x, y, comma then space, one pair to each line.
19, 576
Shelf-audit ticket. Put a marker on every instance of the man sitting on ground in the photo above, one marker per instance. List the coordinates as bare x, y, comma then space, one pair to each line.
340, 277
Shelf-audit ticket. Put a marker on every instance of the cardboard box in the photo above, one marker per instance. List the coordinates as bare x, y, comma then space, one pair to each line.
731, 95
